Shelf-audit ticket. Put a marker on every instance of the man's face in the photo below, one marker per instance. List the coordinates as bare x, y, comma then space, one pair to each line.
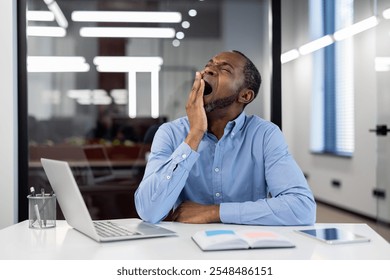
223, 76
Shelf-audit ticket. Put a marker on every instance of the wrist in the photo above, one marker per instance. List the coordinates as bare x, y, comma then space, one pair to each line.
214, 214
193, 139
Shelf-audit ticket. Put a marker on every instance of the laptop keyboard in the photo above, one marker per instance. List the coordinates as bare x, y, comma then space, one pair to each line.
109, 229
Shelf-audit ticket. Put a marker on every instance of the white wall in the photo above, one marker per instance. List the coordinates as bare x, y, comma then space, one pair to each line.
8, 116
357, 174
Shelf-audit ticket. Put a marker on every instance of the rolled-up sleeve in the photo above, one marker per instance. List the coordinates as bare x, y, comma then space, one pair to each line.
290, 202
165, 176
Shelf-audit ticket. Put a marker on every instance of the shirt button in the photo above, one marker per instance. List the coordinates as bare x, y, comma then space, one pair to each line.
216, 169
183, 155
217, 194
168, 177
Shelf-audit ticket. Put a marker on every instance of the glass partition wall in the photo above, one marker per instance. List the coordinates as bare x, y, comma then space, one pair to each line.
104, 75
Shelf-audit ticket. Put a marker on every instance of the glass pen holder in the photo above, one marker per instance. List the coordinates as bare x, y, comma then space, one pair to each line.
42, 211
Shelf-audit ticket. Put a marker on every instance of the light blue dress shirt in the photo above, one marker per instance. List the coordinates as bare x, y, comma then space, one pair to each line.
248, 172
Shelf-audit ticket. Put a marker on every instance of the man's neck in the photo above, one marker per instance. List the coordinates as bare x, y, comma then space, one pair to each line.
217, 122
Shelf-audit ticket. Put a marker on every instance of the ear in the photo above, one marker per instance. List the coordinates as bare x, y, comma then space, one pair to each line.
246, 96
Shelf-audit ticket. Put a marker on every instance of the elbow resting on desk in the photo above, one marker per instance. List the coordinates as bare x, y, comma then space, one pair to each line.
148, 213
306, 215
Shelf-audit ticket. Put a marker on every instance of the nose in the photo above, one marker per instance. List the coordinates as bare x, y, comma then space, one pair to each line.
209, 71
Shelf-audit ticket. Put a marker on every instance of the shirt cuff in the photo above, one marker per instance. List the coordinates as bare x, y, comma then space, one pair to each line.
229, 213
185, 155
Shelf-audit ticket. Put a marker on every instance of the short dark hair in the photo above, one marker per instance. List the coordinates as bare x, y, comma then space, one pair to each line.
252, 77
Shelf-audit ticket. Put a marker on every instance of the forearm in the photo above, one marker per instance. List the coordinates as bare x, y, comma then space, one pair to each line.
163, 183
284, 210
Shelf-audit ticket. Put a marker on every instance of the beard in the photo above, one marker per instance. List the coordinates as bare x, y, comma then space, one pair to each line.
221, 103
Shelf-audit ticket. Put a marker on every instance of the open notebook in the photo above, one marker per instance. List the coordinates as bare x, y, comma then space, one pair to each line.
227, 239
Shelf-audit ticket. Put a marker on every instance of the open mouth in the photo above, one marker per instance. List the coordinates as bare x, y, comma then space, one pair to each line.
207, 88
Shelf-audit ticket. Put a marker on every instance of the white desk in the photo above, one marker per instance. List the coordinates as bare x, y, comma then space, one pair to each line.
61, 243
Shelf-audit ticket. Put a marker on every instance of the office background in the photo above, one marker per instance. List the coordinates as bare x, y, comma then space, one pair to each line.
347, 182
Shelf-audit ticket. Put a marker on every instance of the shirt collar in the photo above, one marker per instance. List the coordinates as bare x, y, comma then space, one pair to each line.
236, 124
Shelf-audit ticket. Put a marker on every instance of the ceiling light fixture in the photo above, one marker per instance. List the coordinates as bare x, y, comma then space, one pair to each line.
180, 35
316, 45
127, 32
117, 16
127, 63
356, 28
46, 31
288, 56
185, 24
132, 65
58, 14
88, 97
386, 14
57, 64
40, 16
192, 13
176, 43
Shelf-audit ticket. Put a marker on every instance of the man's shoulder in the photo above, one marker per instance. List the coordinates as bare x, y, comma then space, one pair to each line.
256, 122
177, 124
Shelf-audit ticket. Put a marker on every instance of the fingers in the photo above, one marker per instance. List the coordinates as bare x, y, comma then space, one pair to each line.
196, 93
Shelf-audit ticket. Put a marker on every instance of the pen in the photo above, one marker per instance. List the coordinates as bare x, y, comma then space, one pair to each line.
43, 206
36, 209
46, 201
38, 215
32, 191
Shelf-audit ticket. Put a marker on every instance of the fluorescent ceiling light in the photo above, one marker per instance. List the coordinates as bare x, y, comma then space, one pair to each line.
127, 32
88, 97
46, 31
288, 56
386, 14
316, 45
355, 28
117, 16
120, 96
132, 65
132, 94
127, 63
94, 101
58, 14
78, 93
155, 102
57, 64
40, 16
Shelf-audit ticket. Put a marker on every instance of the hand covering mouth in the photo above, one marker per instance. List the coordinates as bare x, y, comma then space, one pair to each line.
207, 88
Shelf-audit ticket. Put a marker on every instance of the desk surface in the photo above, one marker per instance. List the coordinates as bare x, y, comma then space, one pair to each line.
63, 242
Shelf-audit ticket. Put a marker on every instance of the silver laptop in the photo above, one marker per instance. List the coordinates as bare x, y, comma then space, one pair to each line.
76, 213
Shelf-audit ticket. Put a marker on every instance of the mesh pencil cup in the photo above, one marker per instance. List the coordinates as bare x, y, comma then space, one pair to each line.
42, 211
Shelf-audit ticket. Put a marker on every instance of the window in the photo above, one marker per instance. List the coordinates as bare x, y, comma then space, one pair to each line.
95, 99
333, 103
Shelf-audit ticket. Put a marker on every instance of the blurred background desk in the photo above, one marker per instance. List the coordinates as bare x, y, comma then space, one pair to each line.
63, 242
107, 176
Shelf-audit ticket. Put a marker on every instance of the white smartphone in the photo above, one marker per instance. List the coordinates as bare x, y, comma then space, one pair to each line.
333, 235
